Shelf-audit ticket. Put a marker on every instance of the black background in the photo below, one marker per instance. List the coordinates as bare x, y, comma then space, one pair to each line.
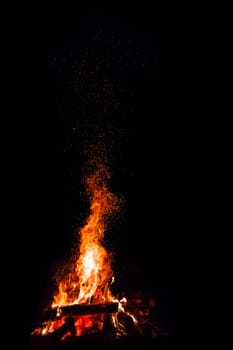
163, 113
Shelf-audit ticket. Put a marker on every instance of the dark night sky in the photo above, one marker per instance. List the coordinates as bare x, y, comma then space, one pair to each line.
158, 95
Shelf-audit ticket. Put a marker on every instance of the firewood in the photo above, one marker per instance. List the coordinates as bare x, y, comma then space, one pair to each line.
79, 310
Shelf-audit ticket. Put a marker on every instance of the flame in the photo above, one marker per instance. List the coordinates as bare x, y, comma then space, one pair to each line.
92, 275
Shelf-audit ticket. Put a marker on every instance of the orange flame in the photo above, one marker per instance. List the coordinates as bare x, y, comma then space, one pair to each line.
92, 276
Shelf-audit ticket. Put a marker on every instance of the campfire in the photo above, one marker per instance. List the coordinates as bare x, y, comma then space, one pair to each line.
83, 305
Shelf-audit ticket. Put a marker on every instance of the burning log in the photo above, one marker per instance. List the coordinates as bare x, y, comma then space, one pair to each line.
79, 310
52, 340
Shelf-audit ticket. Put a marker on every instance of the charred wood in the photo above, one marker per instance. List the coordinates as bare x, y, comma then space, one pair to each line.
79, 310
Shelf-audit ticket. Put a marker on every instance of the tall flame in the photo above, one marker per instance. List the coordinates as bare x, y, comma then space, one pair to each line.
92, 275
